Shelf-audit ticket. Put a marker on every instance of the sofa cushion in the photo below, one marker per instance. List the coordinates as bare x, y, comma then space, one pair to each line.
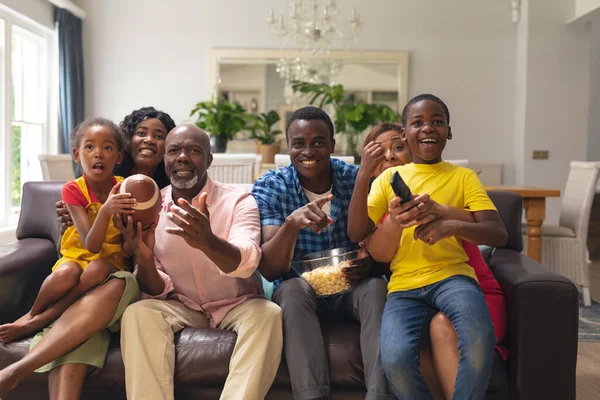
202, 360
510, 208
38, 211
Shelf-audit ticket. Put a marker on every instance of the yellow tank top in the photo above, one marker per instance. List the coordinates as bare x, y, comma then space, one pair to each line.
73, 249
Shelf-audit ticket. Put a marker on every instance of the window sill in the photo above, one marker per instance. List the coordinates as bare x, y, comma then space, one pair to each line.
8, 234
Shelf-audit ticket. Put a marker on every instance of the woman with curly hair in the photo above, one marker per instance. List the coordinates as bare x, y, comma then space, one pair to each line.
145, 132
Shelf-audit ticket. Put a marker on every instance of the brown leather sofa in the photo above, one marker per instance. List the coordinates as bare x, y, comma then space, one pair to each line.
543, 313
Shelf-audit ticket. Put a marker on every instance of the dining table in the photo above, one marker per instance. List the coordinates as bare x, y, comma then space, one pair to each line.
534, 203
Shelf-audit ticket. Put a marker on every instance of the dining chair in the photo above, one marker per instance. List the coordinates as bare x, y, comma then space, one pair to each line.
564, 246
56, 167
234, 168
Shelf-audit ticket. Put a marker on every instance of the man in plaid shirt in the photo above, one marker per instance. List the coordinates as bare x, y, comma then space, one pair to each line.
304, 209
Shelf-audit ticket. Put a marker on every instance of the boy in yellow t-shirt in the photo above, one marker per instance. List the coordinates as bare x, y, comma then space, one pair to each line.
428, 263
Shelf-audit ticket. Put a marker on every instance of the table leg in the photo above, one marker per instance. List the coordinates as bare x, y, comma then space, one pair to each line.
535, 211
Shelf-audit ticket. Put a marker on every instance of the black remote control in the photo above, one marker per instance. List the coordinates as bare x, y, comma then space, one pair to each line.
400, 188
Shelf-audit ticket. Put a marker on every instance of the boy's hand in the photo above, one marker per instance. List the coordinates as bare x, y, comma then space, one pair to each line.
118, 203
311, 215
433, 232
372, 156
407, 214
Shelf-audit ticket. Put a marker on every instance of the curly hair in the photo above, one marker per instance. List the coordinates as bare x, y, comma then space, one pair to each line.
129, 125
78, 131
310, 113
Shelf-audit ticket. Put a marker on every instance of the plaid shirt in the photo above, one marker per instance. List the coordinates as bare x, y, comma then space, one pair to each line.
279, 193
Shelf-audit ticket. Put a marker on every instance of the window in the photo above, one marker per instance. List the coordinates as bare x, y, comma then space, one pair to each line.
26, 122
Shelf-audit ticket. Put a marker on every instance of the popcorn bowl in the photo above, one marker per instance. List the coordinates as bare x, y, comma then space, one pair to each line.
323, 270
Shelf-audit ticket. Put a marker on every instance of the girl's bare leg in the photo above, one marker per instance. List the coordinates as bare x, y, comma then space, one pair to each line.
95, 273
55, 286
88, 315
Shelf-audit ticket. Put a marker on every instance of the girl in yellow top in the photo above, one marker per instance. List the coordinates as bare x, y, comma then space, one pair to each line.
92, 249
428, 262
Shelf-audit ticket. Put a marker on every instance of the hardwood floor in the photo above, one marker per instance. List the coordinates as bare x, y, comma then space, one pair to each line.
588, 354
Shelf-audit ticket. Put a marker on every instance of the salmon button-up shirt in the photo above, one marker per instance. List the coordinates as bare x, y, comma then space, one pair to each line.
193, 278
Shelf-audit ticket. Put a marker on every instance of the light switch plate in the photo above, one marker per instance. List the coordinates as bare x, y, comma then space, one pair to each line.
541, 154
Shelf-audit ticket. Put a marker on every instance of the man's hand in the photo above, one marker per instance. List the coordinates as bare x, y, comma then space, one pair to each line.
433, 232
193, 224
311, 215
407, 214
372, 156
64, 218
141, 241
360, 267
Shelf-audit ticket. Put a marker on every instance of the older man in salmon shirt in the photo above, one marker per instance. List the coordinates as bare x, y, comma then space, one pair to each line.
197, 268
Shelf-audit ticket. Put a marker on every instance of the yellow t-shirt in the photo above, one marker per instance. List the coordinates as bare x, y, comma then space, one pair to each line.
416, 263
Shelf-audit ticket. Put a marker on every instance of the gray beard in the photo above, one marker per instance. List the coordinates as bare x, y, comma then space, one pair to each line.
183, 183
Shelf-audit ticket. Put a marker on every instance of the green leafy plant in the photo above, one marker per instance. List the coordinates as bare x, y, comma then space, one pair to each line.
220, 118
358, 115
351, 117
322, 95
260, 127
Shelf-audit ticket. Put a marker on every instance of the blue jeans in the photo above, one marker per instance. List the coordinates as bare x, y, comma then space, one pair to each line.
405, 328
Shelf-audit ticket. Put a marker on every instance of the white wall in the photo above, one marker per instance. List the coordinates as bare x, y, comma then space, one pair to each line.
462, 51
583, 7
557, 99
593, 147
40, 11
511, 88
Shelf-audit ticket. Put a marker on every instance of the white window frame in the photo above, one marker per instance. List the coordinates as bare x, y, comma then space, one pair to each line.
8, 214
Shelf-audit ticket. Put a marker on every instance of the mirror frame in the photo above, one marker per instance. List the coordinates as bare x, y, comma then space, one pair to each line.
368, 57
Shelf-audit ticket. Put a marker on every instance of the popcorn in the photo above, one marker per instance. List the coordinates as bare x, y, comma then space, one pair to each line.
327, 280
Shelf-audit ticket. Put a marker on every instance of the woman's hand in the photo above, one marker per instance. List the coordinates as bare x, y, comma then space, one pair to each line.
64, 218
373, 155
360, 267
433, 232
118, 203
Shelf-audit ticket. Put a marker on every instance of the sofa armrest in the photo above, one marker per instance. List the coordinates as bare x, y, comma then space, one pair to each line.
24, 265
543, 325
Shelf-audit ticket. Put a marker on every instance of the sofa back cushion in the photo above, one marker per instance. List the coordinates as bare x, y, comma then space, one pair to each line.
38, 211
510, 208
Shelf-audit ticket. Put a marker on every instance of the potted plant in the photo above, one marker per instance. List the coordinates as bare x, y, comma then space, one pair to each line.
221, 120
261, 130
351, 117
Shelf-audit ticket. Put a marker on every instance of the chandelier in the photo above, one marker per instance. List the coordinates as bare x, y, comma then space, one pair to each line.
313, 25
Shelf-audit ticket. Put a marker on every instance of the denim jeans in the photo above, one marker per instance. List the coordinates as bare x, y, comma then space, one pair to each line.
405, 327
